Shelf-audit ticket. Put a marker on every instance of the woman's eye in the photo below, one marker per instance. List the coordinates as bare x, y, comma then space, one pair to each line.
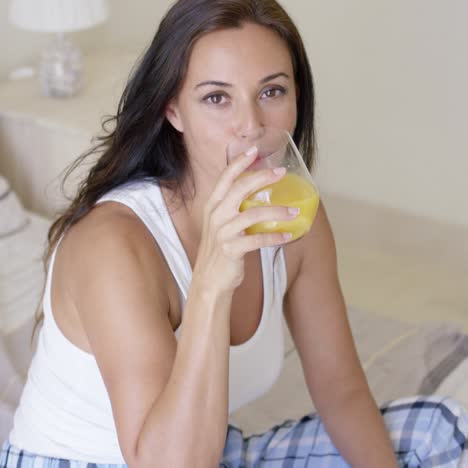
215, 99
273, 92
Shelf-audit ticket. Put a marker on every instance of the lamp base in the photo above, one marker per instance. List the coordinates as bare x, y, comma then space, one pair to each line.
61, 68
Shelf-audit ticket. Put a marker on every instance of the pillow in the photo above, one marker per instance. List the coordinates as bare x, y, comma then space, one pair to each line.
12, 216
23, 238
451, 376
413, 362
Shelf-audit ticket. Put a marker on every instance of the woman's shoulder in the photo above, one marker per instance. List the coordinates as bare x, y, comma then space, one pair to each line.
111, 236
108, 264
109, 221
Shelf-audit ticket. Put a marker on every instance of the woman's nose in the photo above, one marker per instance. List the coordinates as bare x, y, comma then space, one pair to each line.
247, 119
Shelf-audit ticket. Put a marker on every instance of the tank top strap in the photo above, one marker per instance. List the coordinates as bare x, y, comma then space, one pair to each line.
145, 199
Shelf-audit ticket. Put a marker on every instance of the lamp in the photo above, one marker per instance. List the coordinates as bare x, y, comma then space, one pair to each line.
61, 67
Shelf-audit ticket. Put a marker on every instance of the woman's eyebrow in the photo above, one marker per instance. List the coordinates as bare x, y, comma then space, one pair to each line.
273, 76
213, 83
229, 85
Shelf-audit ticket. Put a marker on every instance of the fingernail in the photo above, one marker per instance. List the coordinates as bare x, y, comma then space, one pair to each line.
251, 151
294, 211
287, 236
279, 170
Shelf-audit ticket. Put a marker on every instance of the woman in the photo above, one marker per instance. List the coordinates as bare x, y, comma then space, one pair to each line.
164, 309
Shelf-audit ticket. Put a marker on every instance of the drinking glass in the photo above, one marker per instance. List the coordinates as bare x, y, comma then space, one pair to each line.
276, 148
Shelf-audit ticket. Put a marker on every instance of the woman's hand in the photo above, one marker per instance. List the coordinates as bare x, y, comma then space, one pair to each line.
224, 243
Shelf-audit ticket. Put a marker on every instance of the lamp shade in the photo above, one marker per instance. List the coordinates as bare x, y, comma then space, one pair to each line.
58, 15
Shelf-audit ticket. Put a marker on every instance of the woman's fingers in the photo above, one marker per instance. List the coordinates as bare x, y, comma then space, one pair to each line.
256, 215
231, 173
243, 187
223, 242
240, 245
252, 182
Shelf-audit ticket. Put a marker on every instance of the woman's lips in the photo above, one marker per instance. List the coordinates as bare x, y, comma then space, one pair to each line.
263, 155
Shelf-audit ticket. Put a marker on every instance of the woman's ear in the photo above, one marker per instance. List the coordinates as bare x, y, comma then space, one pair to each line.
173, 116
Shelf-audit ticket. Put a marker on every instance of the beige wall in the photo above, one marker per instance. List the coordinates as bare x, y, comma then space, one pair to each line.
392, 83
392, 92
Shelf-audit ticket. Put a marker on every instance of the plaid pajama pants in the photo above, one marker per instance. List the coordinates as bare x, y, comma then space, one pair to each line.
425, 432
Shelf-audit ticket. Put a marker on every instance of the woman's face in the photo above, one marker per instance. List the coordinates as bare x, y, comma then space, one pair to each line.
237, 80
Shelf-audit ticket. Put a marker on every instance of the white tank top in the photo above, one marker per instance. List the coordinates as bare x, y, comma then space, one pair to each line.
65, 411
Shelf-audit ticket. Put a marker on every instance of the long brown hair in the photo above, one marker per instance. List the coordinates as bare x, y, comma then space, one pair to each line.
141, 143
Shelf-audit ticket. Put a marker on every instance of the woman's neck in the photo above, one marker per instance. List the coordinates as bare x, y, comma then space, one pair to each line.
187, 211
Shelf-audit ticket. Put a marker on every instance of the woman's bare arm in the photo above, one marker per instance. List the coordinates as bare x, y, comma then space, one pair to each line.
169, 401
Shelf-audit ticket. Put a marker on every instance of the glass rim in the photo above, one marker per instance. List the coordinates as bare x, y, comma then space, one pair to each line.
289, 142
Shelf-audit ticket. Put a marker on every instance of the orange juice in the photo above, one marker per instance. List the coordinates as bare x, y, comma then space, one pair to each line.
292, 191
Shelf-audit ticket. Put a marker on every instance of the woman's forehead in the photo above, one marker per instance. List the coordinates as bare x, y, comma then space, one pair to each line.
252, 51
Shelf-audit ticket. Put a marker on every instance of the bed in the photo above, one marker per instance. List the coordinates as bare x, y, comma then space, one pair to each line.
400, 359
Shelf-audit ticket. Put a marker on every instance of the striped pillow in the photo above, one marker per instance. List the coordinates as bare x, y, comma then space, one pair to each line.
23, 238
12, 215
